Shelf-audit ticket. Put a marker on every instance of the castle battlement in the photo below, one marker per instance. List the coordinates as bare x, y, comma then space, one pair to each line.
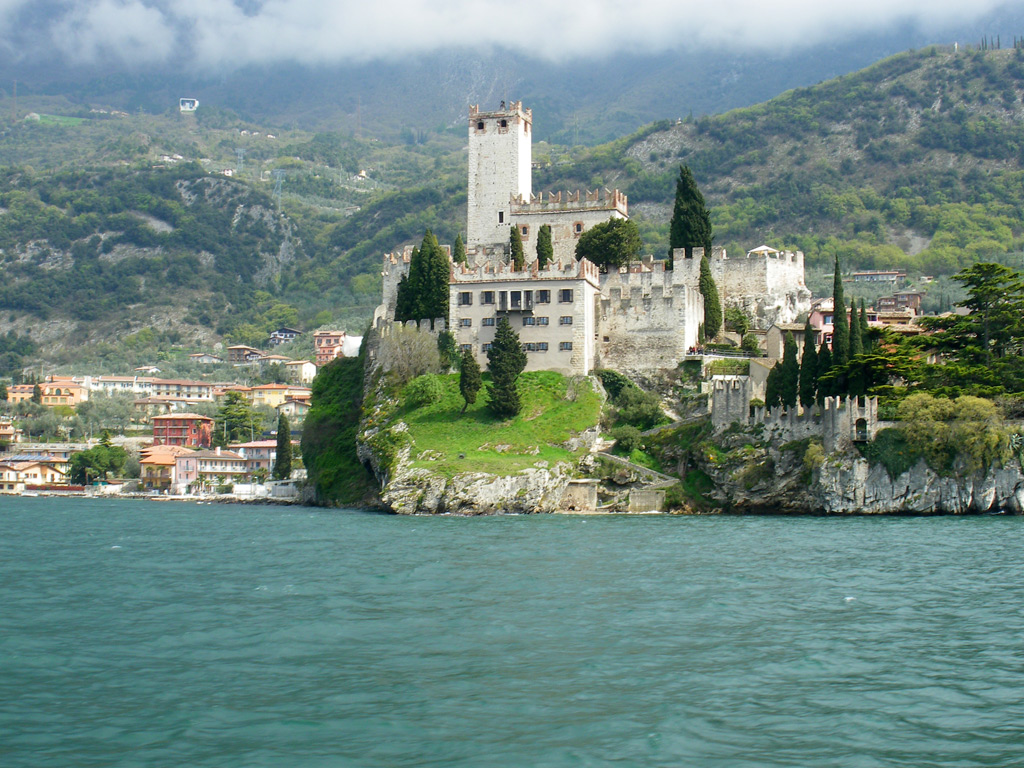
498, 269
514, 108
610, 200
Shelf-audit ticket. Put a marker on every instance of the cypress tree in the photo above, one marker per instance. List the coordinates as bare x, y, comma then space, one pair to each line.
856, 340
841, 327
470, 380
459, 250
545, 250
37, 394
283, 462
808, 369
864, 340
789, 377
516, 248
772, 394
423, 292
691, 221
505, 361
3, 392
824, 366
712, 305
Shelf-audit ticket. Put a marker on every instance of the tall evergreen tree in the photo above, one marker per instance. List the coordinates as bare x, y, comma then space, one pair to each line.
459, 250
37, 394
3, 392
283, 461
808, 369
470, 379
505, 361
691, 221
712, 304
864, 327
824, 366
423, 292
515, 241
789, 377
545, 250
841, 327
856, 340
772, 391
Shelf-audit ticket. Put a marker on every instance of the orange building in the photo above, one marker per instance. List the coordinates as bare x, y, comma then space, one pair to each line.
189, 430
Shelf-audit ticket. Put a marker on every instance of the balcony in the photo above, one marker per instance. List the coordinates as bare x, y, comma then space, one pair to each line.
515, 301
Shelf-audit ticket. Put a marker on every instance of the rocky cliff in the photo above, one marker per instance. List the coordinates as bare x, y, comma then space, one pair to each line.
797, 477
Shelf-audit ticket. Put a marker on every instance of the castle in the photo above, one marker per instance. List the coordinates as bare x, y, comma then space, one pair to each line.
570, 316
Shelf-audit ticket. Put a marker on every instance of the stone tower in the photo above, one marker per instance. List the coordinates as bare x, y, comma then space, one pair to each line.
500, 152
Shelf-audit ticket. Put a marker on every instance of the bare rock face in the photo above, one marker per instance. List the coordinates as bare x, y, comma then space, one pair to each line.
420, 491
856, 486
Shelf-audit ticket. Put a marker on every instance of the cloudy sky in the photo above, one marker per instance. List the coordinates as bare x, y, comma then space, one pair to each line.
232, 33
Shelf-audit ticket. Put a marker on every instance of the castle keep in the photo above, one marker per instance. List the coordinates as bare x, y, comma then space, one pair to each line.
571, 317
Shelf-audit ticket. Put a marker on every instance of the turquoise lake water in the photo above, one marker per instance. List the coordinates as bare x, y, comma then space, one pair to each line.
165, 634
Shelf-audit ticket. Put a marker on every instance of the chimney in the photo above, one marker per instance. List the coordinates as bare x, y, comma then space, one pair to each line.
218, 450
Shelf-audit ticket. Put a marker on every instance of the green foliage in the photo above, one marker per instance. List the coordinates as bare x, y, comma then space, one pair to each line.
856, 337
447, 350
750, 344
737, 320
97, 463
841, 327
236, 421
423, 390
545, 250
773, 387
470, 379
329, 433
789, 373
627, 439
423, 291
406, 353
712, 304
729, 368
824, 372
613, 382
610, 244
690, 226
459, 251
808, 369
891, 449
505, 361
14, 350
968, 429
639, 408
283, 462
37, 394
515, 242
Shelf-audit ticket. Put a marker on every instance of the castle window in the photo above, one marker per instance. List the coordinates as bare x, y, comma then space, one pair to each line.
542, 321
529, 347
543, 297
577, 228
542, 346
565, 295
524, 231
504, 123
465, 322
501, 217
486, 347
465, 299
529, 321
488, 322
480, 125
486, 297
565, 320
565, 346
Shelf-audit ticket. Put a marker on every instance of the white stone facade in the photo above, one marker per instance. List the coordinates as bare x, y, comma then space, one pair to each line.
552, 310
500, 153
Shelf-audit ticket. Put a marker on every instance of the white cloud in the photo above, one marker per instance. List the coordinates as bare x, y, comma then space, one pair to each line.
238, 32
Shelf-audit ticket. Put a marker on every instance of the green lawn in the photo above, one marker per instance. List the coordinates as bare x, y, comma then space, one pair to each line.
61, 120
441, 432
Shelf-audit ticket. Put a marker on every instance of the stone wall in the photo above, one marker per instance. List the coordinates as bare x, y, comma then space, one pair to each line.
646, 318
500, 157
567, 215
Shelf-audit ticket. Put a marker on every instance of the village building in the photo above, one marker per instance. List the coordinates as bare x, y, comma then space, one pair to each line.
240, 354
283, 335
207, 470
205, 358
189, 430
157, 466
300, 371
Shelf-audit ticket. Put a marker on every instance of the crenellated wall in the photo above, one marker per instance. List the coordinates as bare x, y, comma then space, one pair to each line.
647, 318
765, 283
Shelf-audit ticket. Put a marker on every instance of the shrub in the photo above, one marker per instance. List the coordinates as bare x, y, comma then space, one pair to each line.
639, 408
627, 439
614, 382
423, 390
